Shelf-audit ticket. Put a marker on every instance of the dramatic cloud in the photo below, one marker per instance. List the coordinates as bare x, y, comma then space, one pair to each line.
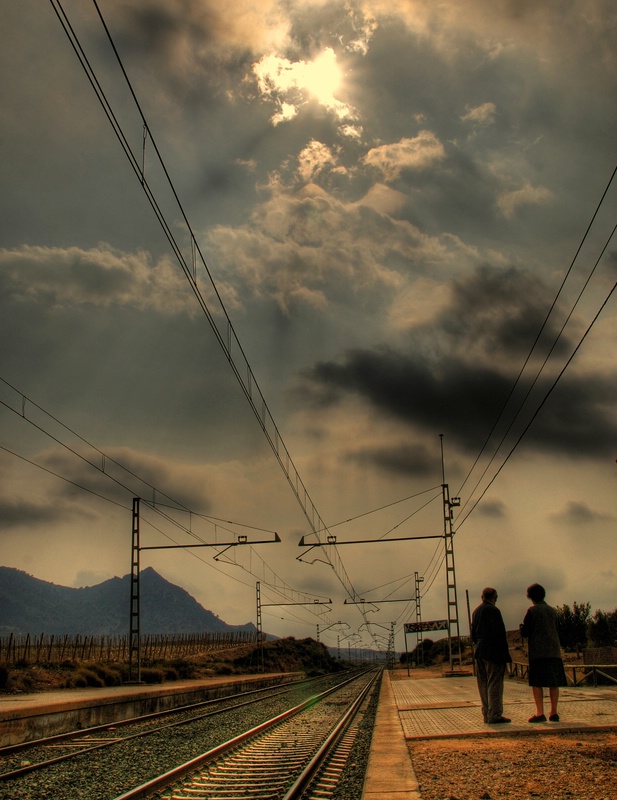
24, 515
291, 84
450, 379
187, 34
307, 245
102, 277
418, 153
389, 197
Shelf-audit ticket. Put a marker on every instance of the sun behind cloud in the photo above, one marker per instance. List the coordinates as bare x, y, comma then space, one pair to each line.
290, 84
322, 77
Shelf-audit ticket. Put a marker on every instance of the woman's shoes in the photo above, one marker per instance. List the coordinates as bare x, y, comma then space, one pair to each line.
554, 718
538, 718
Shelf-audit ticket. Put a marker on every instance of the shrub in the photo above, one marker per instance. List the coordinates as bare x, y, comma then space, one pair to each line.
152, 675
84, 677
184, 669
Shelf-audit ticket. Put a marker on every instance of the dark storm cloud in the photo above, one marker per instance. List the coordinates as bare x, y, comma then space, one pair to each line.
123, 473
413, 460
195, 43
577, 513
19, 514
444, 396
494, 509
502, 311
457, 373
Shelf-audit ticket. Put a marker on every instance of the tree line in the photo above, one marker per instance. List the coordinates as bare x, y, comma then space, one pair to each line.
579, 629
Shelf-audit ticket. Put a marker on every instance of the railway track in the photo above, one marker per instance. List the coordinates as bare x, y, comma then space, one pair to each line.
100, 763
37, 752
301, 753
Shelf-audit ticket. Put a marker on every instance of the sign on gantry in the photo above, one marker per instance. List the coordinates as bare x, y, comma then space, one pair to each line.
430, 625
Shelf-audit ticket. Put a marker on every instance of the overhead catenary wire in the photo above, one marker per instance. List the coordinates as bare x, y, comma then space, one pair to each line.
261, 417
332, 525
533, 348
105, 460
249, 383
544, 400
544, 363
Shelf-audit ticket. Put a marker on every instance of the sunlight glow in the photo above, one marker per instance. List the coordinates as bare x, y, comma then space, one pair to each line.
322, 77
289, 83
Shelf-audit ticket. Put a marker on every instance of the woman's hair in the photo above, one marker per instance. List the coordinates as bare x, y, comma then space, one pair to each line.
536, 592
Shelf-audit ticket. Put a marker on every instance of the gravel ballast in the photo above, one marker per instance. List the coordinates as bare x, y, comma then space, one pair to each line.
106, 774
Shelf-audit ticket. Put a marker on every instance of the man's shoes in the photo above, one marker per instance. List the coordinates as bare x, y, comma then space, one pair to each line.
499, 721
539, 718
554, 718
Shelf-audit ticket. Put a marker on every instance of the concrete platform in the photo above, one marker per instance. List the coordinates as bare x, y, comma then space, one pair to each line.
451, 707
24, 717
389, 775
411, 709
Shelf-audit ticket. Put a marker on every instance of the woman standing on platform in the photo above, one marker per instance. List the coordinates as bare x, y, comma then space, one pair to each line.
545, 663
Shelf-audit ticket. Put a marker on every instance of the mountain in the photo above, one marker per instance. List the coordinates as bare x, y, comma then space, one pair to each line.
30, 605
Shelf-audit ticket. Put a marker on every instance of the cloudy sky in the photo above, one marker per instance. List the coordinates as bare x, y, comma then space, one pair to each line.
265, 283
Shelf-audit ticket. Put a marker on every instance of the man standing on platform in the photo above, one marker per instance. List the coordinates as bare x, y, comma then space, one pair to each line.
491, 653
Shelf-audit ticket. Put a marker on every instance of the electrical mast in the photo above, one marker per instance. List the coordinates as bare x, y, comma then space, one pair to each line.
134, 628
450, 503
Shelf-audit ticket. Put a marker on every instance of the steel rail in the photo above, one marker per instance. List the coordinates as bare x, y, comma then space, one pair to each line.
327, 749
28, 768
173, 776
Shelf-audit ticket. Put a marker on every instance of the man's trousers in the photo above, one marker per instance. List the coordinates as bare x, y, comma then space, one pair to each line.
490, 685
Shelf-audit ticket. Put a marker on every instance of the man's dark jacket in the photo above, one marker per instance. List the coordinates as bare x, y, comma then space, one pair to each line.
488, 633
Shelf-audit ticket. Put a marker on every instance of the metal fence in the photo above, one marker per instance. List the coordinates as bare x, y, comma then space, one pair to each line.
28, 650
576, 674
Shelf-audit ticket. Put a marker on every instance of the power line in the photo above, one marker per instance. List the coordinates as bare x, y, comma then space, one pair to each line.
380, 508
532, 349
544, 363
106, 459
230, 341
544, 399
61, 477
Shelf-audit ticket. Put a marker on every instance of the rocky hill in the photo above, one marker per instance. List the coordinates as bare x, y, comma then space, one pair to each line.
30, 605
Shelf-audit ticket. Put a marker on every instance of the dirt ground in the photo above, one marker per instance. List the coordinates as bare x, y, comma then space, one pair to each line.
569, 766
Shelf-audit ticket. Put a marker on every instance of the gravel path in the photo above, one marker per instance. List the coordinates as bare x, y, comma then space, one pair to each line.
569, 766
